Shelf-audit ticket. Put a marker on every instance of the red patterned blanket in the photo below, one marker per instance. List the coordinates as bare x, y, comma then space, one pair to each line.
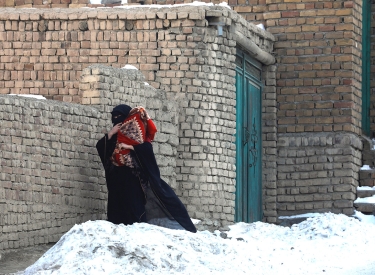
136, 129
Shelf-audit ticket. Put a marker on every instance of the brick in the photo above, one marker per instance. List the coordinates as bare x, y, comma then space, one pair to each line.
241, 9
326, 12
290, 14
343, 12
271, 15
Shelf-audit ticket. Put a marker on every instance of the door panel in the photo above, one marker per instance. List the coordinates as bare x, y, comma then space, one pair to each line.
248, 142
254, 154
366, 66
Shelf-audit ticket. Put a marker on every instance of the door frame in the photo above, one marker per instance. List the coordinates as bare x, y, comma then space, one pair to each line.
366, 66
242, 204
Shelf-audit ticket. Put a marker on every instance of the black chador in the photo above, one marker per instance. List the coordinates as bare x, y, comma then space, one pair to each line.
137, 193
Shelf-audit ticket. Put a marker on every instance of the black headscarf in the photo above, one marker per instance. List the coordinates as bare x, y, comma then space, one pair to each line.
122, 111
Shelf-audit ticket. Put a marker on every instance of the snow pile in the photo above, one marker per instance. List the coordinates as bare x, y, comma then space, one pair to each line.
102, 247
261, 26
369, 188
307, 215
364, 218
29, 95
129, 67
327, 243
326, 226
365, 200
194, 3
365, 167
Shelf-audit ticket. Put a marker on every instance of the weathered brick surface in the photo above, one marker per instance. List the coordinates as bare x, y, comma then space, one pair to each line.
319, 68
50, 174
178, 52
51, 177
317, 172
46, 56
319, 63
313, 90
104, 87
269, 141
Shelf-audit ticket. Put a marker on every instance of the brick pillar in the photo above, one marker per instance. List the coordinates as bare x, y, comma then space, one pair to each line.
318, 78
319, 103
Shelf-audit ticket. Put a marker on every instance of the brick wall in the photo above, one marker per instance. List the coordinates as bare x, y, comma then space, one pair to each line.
318, 173
42, 4
46, 52
318, 74
50, 174
51, 177
104, 87
318, 51
318, 87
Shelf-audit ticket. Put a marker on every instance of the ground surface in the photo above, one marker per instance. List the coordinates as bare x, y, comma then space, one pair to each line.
17, 261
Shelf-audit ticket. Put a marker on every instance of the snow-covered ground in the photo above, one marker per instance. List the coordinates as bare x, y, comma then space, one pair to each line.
323, 244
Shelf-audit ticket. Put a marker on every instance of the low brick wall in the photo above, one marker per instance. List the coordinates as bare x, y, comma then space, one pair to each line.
50, 173
51, 177
318, 173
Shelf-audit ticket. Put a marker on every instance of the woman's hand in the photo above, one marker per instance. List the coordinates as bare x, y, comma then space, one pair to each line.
124, 146
114, 130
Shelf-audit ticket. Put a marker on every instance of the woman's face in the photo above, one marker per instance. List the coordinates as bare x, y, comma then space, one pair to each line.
117, 118
120, 113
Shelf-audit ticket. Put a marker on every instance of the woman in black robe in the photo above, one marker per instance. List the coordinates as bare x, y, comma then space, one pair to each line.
138, 194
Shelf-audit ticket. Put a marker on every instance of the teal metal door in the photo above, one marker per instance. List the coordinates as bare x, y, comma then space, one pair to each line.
366, 66
248, 139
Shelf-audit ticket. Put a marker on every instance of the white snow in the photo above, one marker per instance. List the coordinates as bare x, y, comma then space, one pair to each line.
365, 188
365, 167
261, 26
369, 188
364, 218
195, 221
366, 200
224, 4
307, 215
30, 95
195, 3
129, 67
324, 244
